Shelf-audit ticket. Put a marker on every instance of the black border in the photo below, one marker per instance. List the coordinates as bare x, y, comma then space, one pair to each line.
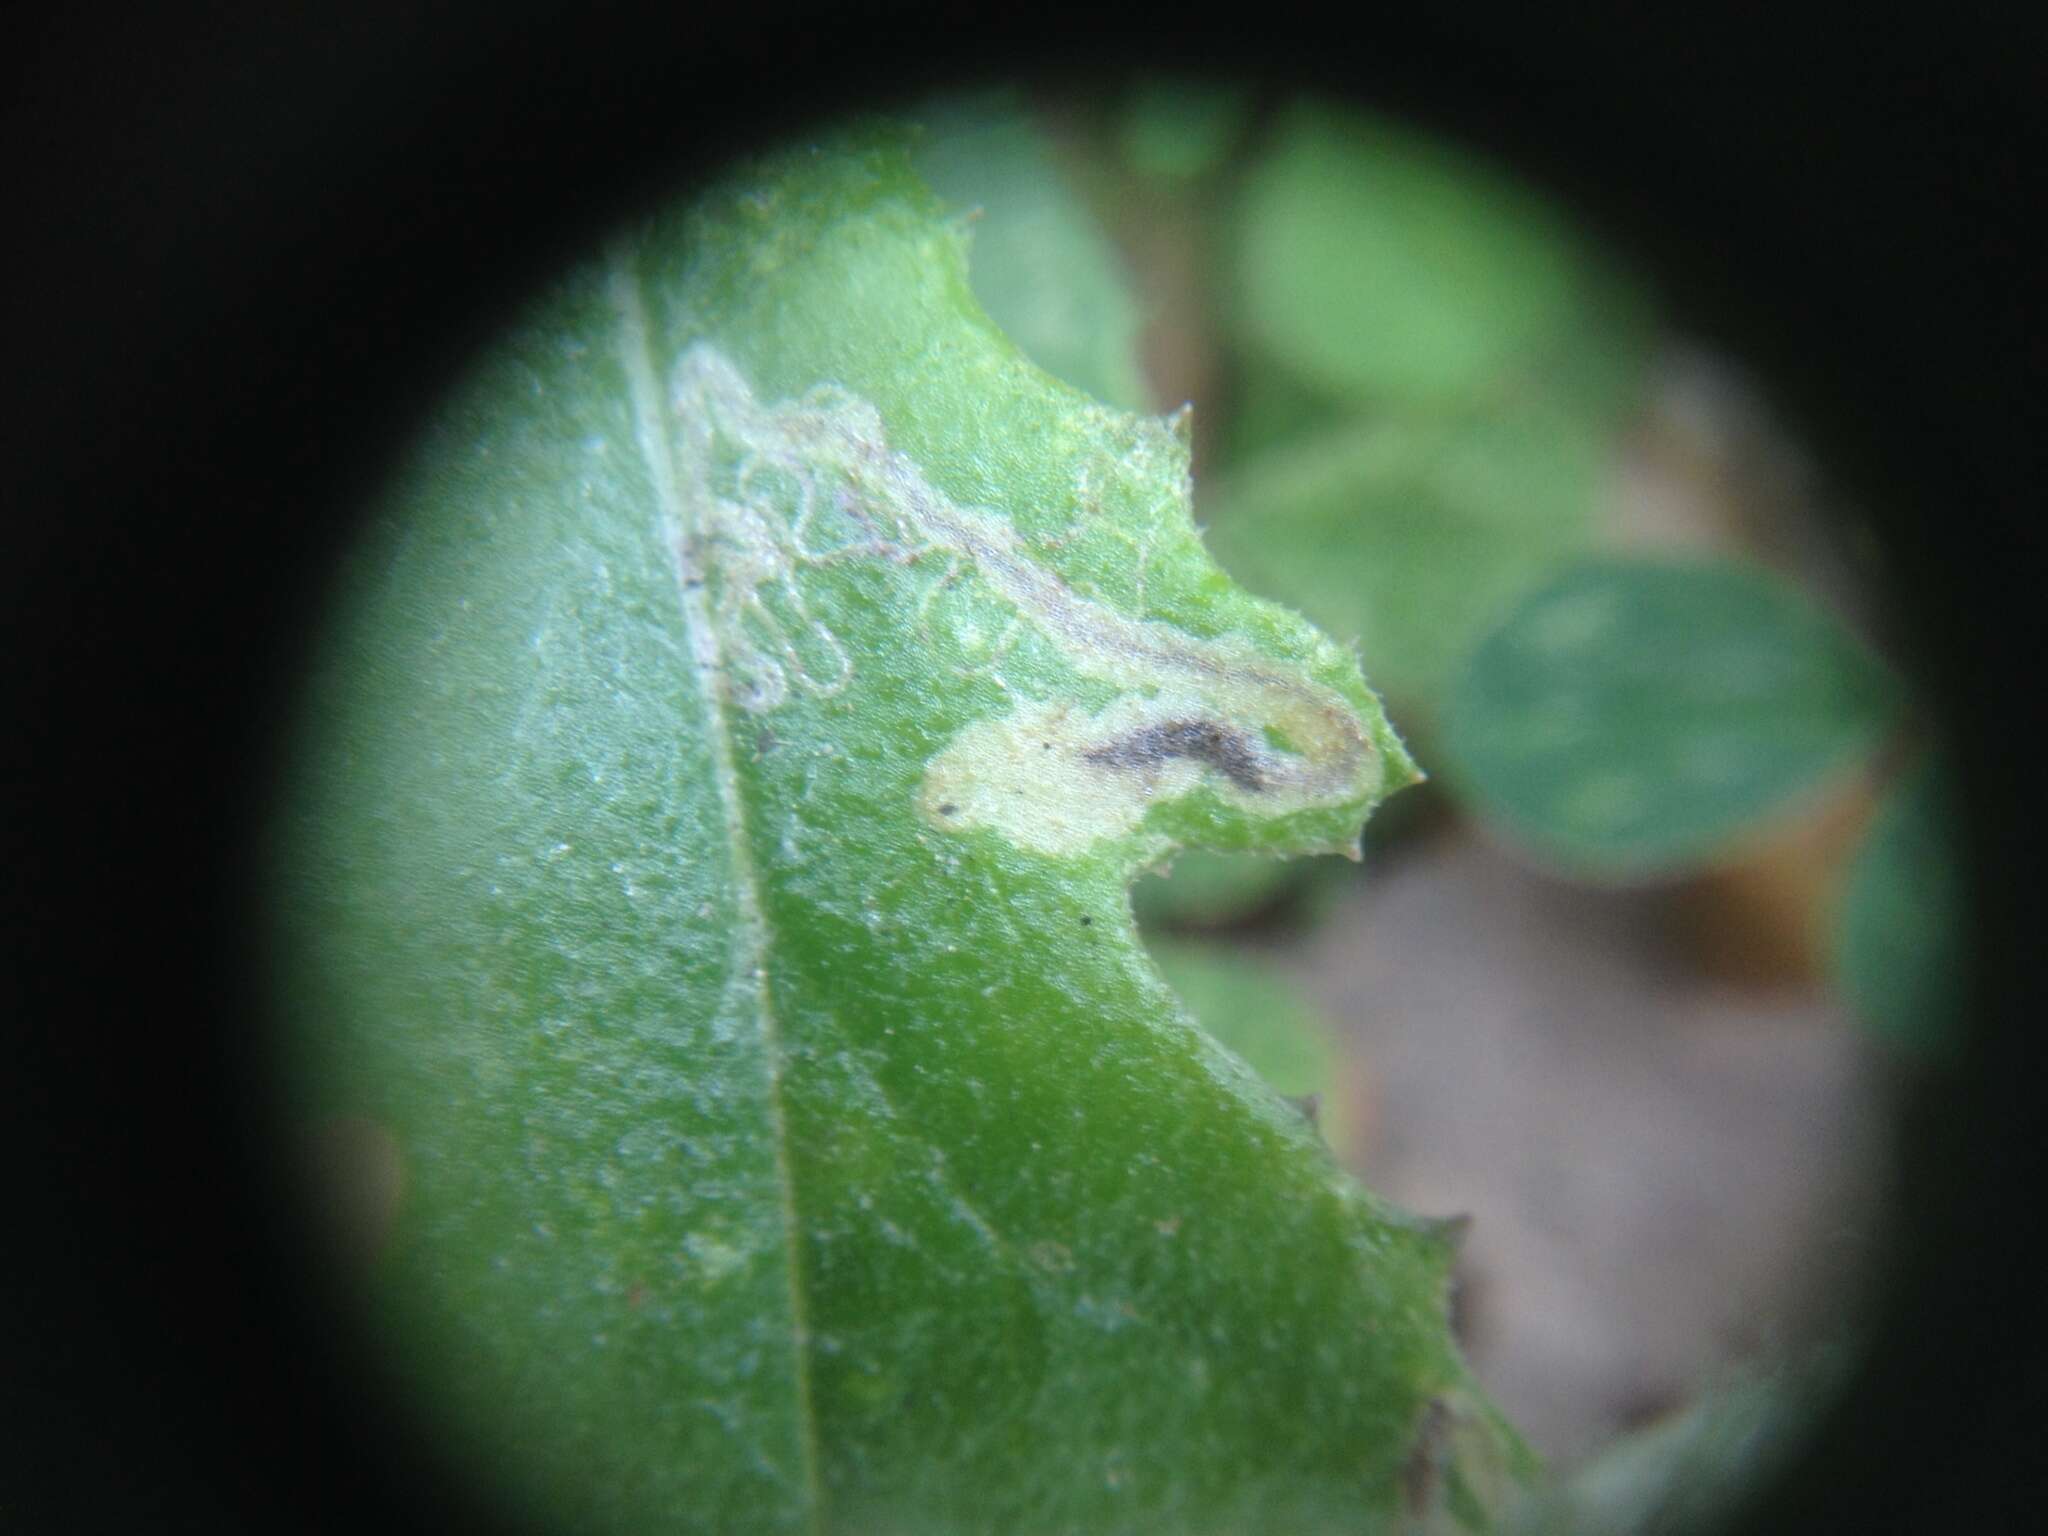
247, 241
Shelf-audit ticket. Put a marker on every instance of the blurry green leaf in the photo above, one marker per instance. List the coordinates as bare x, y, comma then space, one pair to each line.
1269, 407
1687, 1474
1902, 949
703, 877
1180, 129
1410, 534
1380, 264
1634, 716
1257, 1012
1203, 889
1038, 263
1433, 376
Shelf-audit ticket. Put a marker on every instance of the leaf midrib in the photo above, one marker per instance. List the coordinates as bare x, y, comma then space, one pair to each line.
747, 977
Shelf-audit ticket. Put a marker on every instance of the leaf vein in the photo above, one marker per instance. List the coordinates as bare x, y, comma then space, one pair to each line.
747, 978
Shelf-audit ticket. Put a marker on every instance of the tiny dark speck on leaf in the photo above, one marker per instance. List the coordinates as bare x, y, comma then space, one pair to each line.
1087, 921
948, 809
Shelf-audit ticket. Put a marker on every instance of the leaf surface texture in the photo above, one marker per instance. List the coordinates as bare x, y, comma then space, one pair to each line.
708, 860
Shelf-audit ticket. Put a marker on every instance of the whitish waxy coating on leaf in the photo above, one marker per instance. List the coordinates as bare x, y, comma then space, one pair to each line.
775, 490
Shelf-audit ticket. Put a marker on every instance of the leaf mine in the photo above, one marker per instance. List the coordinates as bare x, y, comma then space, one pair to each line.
773, 492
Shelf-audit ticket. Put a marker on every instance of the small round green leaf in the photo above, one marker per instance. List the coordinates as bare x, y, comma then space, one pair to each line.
1202, 890
1902, 953
1690, 1470
1041, 266
1180, 129
1385, 266
1411, 533
1632, 717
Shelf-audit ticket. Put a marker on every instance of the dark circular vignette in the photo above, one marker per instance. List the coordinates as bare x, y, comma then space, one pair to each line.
255, 243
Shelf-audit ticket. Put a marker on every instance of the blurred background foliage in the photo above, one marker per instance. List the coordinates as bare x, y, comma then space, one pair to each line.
1412, 376
1423, 394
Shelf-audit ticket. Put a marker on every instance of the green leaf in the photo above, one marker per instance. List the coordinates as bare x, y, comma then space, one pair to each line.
1633, 716
1181, 129
706, 866
1269, 407
1902, 951
1042, 268
1409, 533
1688, 1473
1382, 265
1204, 890
1433, 369
1257, 1011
